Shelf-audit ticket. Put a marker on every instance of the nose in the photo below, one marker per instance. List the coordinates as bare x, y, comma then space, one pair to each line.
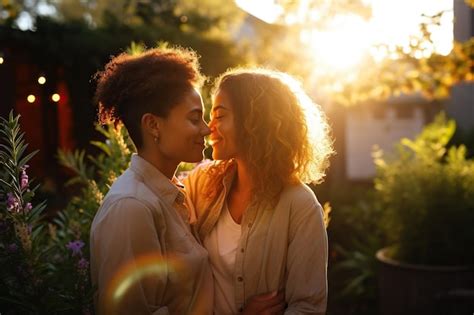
205, 130
211, 123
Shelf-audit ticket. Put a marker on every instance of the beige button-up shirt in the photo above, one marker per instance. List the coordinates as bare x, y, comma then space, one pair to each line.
280, 248
144, 258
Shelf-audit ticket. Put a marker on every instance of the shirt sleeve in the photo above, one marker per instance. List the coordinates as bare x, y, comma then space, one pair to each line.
306, 287
194, 184
130, 266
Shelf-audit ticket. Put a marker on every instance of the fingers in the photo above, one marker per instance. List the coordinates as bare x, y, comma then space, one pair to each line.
265, 296
275, 309
267, 303
281, 295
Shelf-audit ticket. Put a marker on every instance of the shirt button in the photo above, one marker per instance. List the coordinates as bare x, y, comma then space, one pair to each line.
240, 279
241, 250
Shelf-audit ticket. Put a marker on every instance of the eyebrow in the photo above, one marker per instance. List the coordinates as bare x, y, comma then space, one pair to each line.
195, 111
219, 107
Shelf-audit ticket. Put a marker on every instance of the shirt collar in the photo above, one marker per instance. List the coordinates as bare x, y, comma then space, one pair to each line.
161, 185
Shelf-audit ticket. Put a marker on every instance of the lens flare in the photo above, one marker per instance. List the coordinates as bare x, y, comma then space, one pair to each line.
146, 266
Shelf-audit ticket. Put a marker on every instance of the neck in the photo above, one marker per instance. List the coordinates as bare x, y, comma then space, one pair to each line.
242, 181
165, 166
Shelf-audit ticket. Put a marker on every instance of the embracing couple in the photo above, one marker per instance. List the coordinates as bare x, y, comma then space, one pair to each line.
241, 234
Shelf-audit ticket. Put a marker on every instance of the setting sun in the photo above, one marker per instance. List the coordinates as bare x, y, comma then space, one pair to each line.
346, 39
343, 44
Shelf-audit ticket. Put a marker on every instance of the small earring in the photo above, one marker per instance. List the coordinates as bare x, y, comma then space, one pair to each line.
155, 139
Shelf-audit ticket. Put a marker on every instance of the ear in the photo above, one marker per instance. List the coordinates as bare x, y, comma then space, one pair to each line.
151, 125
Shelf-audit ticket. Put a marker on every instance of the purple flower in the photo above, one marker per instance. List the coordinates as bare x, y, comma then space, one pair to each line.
24, 178
82, 264
75, 247
12, 248
12, 202
28, 207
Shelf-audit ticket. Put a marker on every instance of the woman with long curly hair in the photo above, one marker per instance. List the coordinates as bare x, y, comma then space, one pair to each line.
261, 224
144, 258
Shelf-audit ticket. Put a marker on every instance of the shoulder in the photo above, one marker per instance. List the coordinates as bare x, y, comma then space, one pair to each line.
205, 173
302, 204
122, 209
205, 169
300, 196
128, 187
305, 211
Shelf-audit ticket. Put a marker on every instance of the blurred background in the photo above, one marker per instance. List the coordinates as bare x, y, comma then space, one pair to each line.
382, 70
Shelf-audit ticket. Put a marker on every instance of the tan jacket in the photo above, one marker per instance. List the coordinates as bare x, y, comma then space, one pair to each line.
280, 248
143, 248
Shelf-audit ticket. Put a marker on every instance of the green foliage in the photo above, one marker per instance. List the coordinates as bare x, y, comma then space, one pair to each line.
44, 267
433, 76
318, 13
355, 237
94, 175
30, 265
427, 193
413, 69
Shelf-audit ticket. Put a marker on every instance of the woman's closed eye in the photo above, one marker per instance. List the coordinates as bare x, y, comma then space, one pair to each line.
217, 115
195, 119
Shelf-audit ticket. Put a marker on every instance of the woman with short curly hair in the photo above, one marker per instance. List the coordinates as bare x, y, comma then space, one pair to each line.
262, 226
144, 258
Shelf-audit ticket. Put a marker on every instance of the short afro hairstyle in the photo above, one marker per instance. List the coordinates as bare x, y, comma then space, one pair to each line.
153, 81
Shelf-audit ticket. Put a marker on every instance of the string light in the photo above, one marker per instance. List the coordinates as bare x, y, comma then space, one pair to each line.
31, 98
55, 97
41, 80
1, 60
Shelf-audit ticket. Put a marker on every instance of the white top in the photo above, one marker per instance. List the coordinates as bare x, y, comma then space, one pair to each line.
222, 243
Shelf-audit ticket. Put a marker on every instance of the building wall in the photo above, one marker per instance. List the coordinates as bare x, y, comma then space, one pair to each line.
367, 128
461, 103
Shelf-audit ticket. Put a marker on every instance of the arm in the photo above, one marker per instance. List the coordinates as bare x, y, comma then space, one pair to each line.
306, 288
129, 262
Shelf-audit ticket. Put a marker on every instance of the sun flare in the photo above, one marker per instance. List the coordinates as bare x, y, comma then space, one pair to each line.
347, 39
342, 45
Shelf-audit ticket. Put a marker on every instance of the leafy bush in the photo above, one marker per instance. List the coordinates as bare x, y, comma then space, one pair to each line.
38, 275
355, 237
427, 193
44, 264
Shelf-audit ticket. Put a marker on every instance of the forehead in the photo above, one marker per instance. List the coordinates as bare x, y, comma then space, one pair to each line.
191, 102
221, 101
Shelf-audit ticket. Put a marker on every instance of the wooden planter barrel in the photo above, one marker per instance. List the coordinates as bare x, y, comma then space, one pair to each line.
408, 289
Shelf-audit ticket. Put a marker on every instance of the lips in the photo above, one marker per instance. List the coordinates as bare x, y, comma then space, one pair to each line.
213, 141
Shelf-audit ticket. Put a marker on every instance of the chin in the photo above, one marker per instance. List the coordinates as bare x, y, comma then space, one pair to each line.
218, 156
215, 156
195, 158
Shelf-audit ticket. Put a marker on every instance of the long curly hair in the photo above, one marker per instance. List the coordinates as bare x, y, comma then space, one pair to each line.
152, 81
282, 134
